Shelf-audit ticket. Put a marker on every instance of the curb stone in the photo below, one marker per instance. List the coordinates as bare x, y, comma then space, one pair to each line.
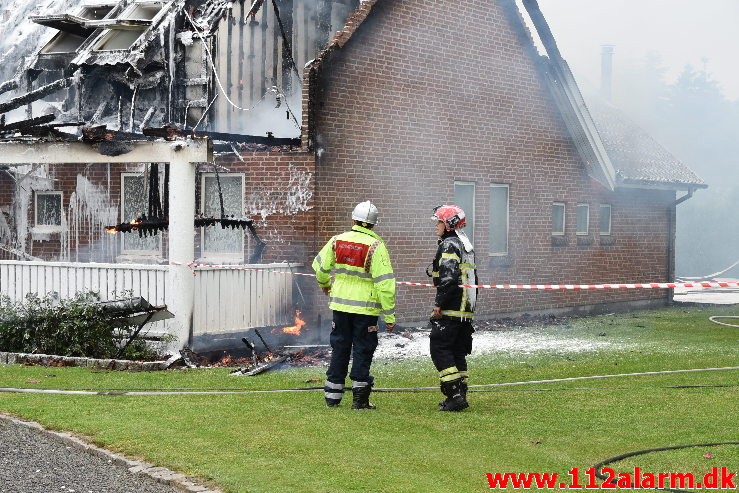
157, 473
53, 360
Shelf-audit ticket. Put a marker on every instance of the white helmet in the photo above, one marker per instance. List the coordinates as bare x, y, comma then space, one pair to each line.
365, 212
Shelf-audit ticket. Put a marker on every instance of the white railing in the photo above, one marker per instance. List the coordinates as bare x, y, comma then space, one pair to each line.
225, 300
110, 281
234, 300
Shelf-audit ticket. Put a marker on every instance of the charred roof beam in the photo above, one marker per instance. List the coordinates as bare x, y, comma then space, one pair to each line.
36, 95
33, 122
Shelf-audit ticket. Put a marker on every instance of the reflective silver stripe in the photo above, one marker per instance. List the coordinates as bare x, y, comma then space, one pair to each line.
348, 272
384, 277
366, 304
389, 312
435, 273
320, 264
452, 256
337, 396
451, 369
358, 385
332, 385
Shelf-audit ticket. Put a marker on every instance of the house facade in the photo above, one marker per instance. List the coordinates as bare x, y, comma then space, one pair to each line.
406, 103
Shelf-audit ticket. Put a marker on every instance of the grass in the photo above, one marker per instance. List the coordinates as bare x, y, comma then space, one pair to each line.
290, 442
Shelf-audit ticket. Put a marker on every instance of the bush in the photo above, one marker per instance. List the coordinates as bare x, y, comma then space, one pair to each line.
65, 327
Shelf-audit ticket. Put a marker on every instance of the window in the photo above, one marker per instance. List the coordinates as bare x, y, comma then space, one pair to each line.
605, 219
215, 240
498, 242
558, 218
72, 33
134, 203
583, 219
124, 35
464, 197
48, 211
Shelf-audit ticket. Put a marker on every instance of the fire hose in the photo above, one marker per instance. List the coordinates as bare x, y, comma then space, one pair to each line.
599, 474
490, 387
713, 319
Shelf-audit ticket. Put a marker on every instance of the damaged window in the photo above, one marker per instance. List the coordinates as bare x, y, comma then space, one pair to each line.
464, 197
129, 26
72, 34
134, 203
217, 241
48, 214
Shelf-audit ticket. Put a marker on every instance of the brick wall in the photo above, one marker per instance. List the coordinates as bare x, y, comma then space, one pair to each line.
423, 95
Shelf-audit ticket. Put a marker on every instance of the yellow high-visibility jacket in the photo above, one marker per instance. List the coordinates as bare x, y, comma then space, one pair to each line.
364, 281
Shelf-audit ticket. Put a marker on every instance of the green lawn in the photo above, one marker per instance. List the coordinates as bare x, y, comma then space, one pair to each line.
291, 442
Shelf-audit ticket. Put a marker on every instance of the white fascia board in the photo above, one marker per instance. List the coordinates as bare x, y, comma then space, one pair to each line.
563, 79
575, 99
22, 153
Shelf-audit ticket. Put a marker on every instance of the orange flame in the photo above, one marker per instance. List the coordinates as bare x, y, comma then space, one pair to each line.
295, 329
112, 229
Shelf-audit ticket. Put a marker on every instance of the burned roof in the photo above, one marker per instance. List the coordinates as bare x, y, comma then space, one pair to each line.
638, 158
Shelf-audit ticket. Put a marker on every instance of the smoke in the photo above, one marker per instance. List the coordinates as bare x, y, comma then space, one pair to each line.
695, 121
682, 90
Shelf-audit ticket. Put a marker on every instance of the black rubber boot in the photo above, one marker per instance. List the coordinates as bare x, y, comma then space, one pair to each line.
361, 397
333, 393
455, 401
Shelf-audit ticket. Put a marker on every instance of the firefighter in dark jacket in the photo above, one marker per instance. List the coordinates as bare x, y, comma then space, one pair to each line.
454, 307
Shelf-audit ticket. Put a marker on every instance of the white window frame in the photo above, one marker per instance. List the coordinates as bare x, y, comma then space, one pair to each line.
130, 252
587, 218
507, 186
221, 256
564, 218
48, 228
469, 214
610, 219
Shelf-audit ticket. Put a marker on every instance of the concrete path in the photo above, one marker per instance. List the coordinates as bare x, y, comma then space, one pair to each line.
34, 460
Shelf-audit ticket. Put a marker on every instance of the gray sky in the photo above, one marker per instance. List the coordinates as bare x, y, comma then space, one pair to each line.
681, 31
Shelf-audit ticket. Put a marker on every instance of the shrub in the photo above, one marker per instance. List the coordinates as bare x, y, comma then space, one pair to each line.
66, 327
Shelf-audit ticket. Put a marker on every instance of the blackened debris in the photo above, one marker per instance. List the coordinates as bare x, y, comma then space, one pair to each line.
10, 85
170, 133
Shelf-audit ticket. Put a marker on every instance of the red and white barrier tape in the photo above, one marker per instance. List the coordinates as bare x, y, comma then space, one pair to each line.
545, 287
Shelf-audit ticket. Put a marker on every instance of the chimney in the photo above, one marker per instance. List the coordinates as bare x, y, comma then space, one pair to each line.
606, 71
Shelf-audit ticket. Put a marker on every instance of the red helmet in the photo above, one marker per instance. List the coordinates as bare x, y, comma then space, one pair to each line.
451, 215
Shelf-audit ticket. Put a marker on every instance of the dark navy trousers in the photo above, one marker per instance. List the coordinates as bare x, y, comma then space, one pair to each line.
352, 335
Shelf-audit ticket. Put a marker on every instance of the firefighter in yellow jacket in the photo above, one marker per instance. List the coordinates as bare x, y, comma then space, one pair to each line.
363, 289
